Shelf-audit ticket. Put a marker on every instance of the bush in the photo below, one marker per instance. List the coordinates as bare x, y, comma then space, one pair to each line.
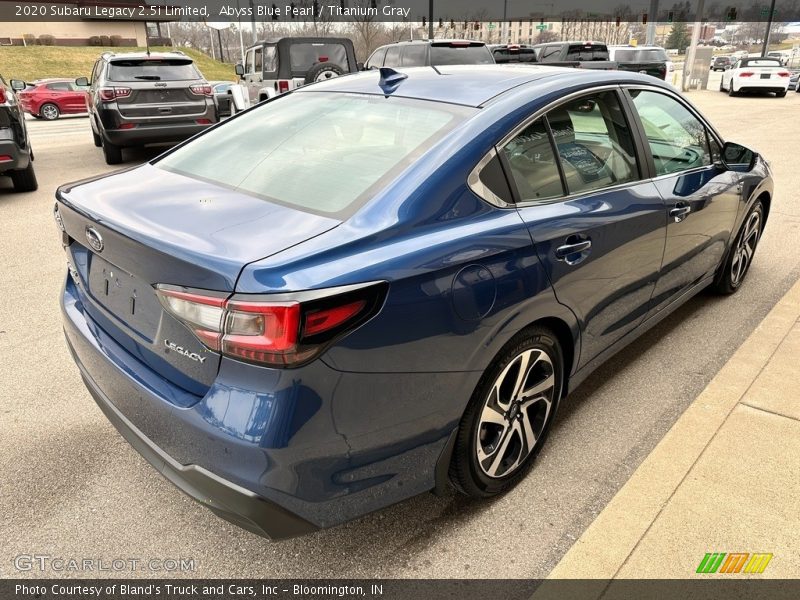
29, 38
95, 40
46, 39
105, 40
116, 40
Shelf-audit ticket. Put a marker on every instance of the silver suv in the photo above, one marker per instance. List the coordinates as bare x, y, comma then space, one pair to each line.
142, 98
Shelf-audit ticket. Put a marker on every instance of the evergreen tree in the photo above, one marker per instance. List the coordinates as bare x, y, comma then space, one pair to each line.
678, 37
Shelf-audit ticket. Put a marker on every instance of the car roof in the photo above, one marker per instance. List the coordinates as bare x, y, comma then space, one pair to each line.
437, 41
470, 85
154, 55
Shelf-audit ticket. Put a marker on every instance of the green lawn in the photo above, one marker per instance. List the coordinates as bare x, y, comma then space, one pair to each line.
37, 62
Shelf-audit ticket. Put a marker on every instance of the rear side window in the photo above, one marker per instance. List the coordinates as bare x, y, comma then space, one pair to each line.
587, 52
303, 56
392, 57
322, 152
151, 69
457, 54
533, 164
677, 139
640, 55
61, 86
414, 55
594, 143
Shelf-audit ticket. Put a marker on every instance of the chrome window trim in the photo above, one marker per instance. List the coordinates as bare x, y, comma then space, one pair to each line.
475, 184
481, 189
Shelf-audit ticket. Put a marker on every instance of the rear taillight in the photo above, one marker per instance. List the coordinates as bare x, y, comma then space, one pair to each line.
107, 94
201, 90
203, 121
5, 158
127, 126
746, 74
283, 330
784, 74
2, 94
283, 86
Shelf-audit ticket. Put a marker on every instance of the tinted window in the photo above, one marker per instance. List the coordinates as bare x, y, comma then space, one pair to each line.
376, 60
594, 143
392, 57
640, 55
270, 59
305, 56
503, 55
317, 151
151, 69
761, 62
676, 137
414, 55
257, 62
551, 52
460, 55
533, 164
61, 86
587, 52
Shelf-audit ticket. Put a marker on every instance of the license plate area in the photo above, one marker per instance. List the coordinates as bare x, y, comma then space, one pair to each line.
765, 76
130, 300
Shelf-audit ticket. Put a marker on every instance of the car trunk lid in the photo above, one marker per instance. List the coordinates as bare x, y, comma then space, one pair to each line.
148, 226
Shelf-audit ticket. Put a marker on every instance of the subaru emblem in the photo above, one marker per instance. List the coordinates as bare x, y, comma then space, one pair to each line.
95, 239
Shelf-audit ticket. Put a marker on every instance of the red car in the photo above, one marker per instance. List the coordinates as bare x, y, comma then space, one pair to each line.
50, 98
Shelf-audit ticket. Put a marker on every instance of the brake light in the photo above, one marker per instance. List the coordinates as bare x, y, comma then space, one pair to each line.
201, 90
283, 86
283, 332
5, 158
459, 44
784, 74
2, 94
323, 59
746, 74
108, 94
127, 125
203, 121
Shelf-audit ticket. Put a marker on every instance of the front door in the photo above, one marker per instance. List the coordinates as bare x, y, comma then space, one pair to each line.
253, 74
700, 199
598, 228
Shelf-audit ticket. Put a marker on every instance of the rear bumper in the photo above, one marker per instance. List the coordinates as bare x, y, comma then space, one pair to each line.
757, 85
147, 133
19, 157
278, 452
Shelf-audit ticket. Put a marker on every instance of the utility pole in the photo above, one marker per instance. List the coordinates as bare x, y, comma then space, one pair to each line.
504, 38
765, 47
688, 65
652, 17
430, 19
219, 38
252, 22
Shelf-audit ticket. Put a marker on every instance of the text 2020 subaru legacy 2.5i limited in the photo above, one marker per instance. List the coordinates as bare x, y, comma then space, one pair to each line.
384, 284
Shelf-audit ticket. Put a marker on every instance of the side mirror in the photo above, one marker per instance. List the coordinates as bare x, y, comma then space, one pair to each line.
239, 69
17, 85
82, 81
360, 66
736, 157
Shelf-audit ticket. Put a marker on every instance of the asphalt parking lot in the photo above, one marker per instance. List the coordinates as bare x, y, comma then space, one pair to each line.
72, 488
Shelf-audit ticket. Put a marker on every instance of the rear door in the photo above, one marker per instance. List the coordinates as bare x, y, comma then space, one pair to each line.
598, 227
701, 201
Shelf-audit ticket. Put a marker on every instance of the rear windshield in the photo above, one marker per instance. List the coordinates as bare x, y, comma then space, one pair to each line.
641, 55
151, 69
304, 56
504, 55
446, 54
322, 152
587, 52
761, 62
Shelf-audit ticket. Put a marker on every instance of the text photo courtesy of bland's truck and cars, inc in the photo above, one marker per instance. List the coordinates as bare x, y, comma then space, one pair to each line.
230, 11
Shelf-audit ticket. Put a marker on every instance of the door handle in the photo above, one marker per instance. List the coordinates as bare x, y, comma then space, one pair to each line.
680, 212
571, 249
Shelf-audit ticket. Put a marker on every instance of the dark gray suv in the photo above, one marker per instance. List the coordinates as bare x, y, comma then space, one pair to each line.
141, 98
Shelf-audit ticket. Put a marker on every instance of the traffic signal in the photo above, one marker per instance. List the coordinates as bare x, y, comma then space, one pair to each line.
342, 4
441, 23
670, 16
274, 12
644, 18
424, 21
731, 14
619, 20
452, 24
374, 4
291, 14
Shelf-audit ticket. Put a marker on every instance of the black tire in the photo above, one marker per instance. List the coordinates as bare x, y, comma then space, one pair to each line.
112, 153
721, 89
729, 278
730, 89
49, 111
322, 71
505, 442
98, 141
780, 94
24, 180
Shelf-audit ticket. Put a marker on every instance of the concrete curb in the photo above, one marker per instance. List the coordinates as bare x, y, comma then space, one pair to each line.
604, 547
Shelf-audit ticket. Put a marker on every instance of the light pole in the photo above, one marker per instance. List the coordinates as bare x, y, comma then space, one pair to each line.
765, 47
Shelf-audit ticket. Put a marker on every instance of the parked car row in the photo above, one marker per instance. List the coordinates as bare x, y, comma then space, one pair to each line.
756, 74
16, 155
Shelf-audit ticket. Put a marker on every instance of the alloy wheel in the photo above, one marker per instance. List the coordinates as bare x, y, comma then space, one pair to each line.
515, 413
746, 247
49, 112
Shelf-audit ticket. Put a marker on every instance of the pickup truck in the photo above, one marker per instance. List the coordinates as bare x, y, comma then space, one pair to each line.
585, 55
651, 60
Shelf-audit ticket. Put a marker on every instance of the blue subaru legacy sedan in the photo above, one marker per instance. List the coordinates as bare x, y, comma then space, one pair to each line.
384, 284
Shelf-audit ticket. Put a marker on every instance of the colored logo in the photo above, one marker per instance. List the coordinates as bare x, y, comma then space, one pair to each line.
734, 562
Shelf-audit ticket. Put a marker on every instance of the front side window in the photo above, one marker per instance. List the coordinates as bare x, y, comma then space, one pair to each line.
251, 61
322, 152
594, 143
258, 65
677, 139
533, 164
